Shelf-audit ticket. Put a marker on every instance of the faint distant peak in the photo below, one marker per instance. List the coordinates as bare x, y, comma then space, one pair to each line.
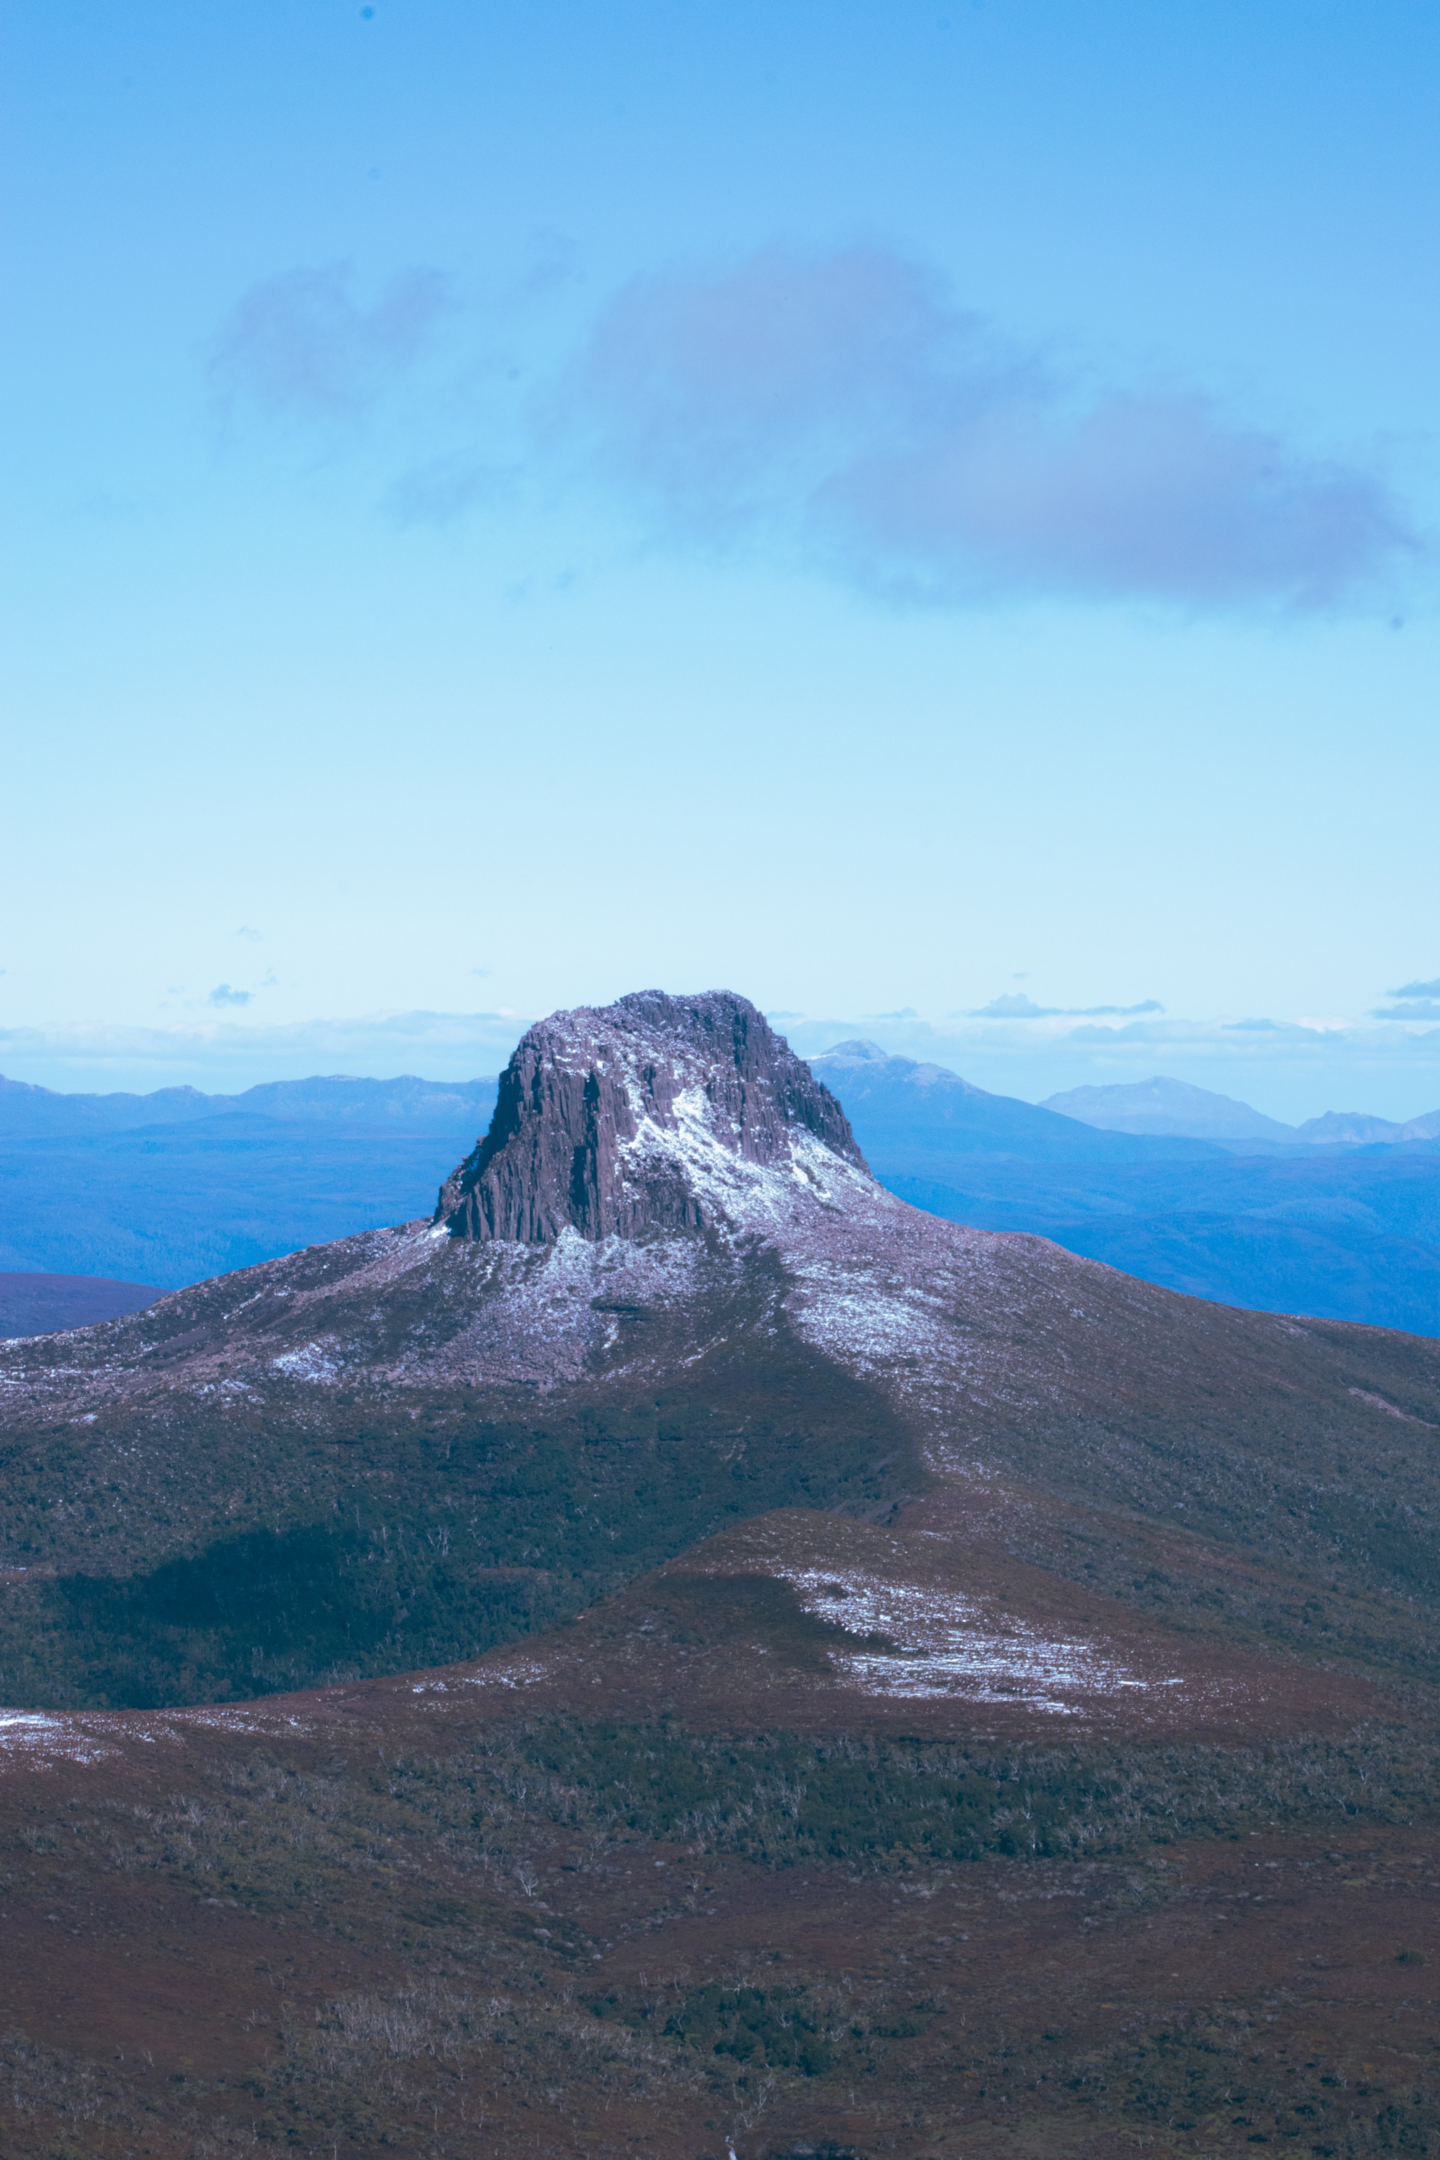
1357, 1128
856, 1052
614, 1121
1170, 1108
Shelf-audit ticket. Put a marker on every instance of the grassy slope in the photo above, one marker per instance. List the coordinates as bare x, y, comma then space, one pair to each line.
170, 1550
583, 1936
387, 1538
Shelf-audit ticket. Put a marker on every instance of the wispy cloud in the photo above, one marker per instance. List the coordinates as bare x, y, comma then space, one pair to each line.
1414, 1001
223, 995
300, 346
1412, 1009
1016, 1006
839, 409
844, 405
446, 488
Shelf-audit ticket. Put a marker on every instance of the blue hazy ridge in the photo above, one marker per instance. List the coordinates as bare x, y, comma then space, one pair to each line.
153, 1189
176, 1186
1346, 1233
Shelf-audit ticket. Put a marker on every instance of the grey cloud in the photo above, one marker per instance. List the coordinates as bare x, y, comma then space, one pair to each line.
842, 405
1016, 1006
222, 994
300, 346
1417, 990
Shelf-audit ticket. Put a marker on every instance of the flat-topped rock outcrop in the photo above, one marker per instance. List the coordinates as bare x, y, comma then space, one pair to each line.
608, 1116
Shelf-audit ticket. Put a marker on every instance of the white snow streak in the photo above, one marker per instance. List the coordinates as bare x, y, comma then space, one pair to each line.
947, 1644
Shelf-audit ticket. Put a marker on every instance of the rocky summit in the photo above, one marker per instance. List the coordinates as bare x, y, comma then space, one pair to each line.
619, 1122
681, 1651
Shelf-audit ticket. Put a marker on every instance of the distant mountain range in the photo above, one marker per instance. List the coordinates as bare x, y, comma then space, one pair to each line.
1342, 1231
176, 1186
897, 1105
1339, 1217
407, 1104
1176, 1108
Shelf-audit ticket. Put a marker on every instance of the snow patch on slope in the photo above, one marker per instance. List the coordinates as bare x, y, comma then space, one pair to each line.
946, 1644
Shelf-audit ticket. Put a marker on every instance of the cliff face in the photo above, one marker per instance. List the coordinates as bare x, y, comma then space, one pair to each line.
607, 1117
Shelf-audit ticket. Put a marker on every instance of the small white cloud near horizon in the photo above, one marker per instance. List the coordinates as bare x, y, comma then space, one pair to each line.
1015, 1005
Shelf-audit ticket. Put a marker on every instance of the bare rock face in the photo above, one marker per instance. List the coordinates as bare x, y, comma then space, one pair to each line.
608, 1119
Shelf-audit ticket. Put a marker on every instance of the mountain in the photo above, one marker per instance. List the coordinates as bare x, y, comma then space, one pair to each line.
926, 1109
43, 1304
1171, 1107
421, 1106
679, 1650
1175, 1107
1347, 1237
662, 1293
1353, 1234
181, 1186
1354, 1128
1345, 1233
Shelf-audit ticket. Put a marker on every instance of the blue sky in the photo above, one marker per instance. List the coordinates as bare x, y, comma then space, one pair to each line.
922, 512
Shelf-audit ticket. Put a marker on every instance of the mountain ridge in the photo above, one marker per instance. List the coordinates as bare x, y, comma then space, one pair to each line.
26, 1109
960, 1117
1161, 1105
368, 1416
